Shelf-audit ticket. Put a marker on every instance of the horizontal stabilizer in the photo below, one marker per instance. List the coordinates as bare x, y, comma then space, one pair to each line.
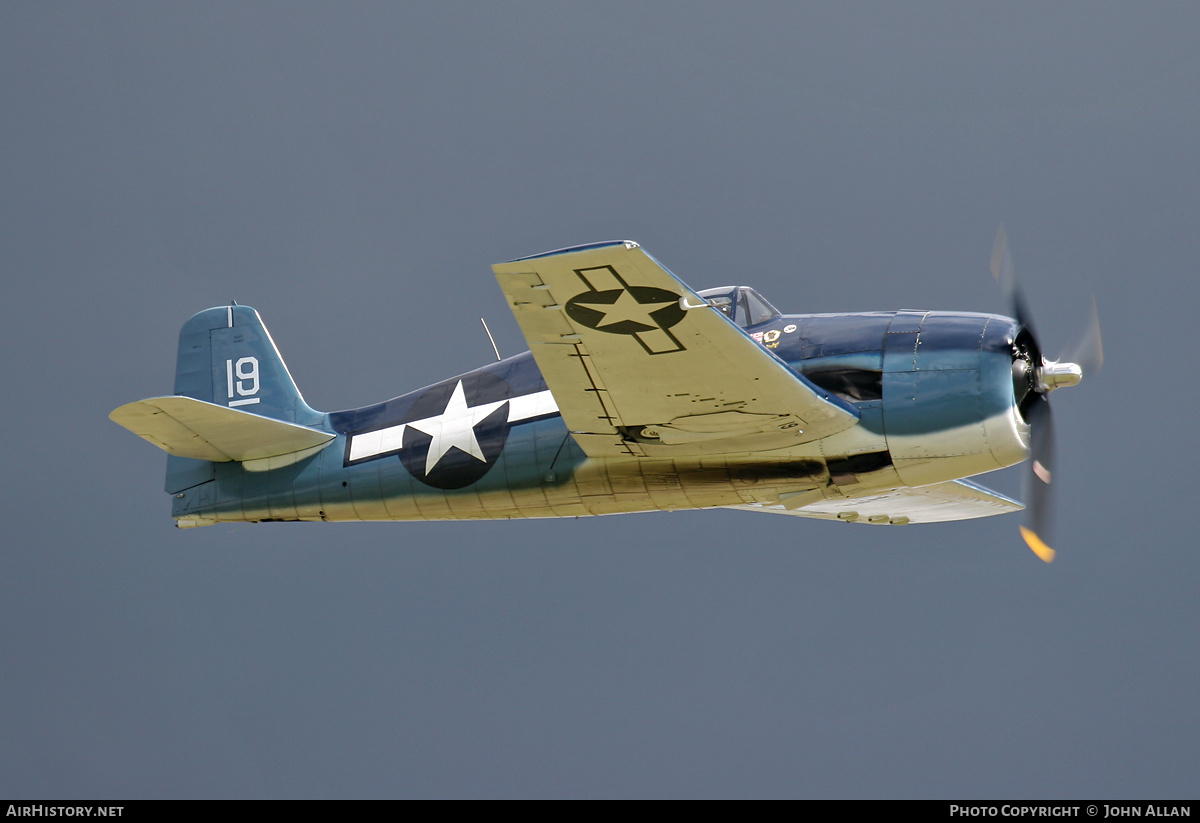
186, 427
952, 500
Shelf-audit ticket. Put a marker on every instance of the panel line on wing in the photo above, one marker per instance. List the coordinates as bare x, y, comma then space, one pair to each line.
609, 414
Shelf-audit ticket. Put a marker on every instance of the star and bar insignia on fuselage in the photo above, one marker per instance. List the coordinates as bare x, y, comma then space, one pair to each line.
452, 433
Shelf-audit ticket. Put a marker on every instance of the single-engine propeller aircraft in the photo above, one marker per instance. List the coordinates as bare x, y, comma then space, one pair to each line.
637, 394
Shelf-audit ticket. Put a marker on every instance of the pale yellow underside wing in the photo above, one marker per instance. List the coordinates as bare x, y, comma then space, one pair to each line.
639, 365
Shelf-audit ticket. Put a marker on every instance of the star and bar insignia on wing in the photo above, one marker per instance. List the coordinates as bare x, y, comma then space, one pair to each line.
645, 313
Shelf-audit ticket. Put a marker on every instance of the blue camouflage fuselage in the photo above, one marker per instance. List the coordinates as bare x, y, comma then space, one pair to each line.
933, 390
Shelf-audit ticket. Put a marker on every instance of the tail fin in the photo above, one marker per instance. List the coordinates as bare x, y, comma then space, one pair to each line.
227, 357
249, 408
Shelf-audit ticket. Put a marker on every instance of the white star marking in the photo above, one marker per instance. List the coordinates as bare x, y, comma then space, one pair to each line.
390, 439
626, 308
454, 428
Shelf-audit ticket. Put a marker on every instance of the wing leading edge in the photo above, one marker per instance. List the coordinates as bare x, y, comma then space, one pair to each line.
641, 366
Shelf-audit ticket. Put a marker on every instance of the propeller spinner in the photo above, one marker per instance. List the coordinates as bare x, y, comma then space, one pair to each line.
1034, 377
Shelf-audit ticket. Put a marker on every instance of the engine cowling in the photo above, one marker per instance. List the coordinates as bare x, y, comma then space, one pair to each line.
950, 384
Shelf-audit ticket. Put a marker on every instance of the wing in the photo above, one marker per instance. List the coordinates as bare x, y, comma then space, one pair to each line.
640, 365
953, 500
186, 427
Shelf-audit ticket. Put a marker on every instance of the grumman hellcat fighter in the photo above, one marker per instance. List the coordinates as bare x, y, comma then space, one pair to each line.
637, 394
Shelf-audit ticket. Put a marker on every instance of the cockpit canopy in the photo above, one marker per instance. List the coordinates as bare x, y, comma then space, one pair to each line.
742, 304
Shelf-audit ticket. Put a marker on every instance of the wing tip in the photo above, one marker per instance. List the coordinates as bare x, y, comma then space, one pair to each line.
629, 244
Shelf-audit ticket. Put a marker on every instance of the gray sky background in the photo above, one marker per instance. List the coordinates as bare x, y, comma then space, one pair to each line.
352, 170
